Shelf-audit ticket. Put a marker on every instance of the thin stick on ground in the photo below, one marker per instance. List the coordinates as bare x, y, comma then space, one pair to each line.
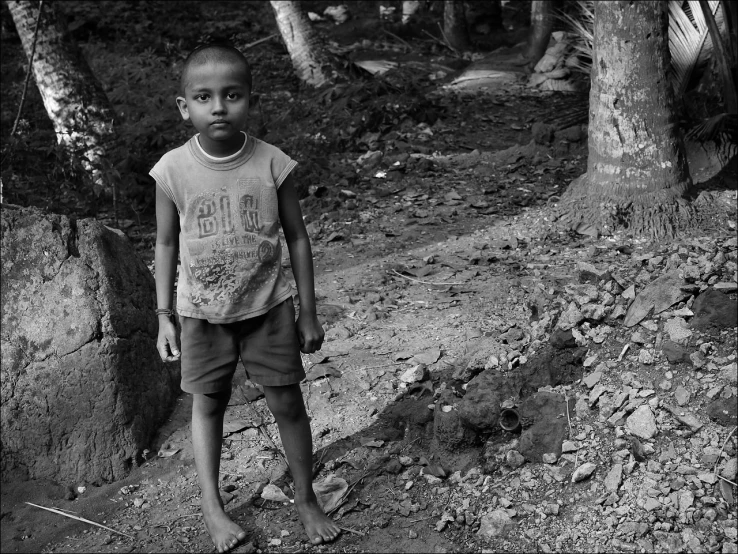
351, 531
447, 43
379, 366
714, 469
393, 35
82, 519
434, 38
727, 480
257, 42
421, 281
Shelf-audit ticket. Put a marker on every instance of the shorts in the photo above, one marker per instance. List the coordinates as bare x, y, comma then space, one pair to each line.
267, 344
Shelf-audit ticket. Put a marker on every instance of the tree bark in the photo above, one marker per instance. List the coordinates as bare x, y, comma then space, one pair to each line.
637, 175
312, 64
74, 99
541, 25
454, 25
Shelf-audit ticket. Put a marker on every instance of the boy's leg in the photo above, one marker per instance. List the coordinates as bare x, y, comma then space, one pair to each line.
294, 427
207, 437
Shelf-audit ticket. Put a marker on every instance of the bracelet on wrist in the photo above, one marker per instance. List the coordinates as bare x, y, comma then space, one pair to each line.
164, 311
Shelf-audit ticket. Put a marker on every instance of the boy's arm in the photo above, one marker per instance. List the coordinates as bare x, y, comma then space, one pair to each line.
301, 256
165, 260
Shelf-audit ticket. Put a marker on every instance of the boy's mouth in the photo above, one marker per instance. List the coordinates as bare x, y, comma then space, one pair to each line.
219, 123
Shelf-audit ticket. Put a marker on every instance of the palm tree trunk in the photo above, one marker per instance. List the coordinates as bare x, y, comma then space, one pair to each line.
541, 25
74, 99
636, 171
311, 63
454, 25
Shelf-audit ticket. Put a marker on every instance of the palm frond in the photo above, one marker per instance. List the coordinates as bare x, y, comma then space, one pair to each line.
689, 39
581, 26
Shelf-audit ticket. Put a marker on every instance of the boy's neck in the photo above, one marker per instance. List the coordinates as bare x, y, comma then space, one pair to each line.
222, 149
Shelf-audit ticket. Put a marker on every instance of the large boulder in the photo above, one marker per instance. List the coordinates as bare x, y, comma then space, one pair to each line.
83, 388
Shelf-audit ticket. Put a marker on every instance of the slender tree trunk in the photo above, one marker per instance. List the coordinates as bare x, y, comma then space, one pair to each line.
541, 25
454, 25
74, 99
636, 171
312, 64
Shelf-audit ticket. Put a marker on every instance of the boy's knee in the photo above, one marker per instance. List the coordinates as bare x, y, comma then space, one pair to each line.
285, 404
211, 404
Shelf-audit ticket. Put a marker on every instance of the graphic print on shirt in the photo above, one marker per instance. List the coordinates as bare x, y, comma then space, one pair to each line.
237, 248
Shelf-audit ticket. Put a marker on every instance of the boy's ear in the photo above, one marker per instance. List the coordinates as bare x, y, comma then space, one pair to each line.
182, 105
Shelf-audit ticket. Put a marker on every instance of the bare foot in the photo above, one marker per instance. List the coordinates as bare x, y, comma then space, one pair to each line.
224, 532
318, 526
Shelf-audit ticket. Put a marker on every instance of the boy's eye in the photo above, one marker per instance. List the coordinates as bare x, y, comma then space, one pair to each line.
232, 96
201, 97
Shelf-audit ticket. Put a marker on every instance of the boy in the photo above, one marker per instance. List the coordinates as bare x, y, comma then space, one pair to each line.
219, 201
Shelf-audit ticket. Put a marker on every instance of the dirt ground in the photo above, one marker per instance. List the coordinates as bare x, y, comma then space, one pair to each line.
430, 255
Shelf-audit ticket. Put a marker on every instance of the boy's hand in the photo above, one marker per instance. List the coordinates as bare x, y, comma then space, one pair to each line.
166, 343
310, 333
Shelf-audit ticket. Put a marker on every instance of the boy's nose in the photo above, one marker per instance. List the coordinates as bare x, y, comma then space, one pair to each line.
218, 106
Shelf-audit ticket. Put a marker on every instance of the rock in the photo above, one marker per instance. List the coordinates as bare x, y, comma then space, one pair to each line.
729, 469
415, 374
551, 366
83, 388
581, 408
686, 499
714, 311
613, 478
570, 318
447, 426
684, 417
550, 458
645, 357
588, 273
677, 330
682, 396
514, 459
642, 423
339, 332
561, 339
480, 407
674, 352
698, 359
583, 472
724, 411
592, 379
542, 133
650, 505
658, 296
726, 287
545, 412
495, 524
729, 373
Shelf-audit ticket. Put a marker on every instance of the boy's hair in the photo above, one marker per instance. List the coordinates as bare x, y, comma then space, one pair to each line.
214, 51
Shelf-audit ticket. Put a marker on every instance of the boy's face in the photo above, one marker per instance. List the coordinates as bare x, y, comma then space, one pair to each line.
216, 100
